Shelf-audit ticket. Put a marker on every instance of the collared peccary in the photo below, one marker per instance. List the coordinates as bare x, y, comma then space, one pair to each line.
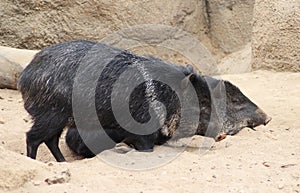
47, 87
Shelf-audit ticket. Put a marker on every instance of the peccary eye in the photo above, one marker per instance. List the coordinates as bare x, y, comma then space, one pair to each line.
234, 100
250, 123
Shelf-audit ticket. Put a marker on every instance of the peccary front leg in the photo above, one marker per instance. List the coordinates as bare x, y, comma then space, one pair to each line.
76, 144
143, 143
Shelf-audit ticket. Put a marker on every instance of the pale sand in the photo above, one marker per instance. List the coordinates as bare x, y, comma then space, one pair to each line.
266, 160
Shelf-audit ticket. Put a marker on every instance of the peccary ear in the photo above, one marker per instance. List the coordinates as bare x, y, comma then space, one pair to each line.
189, 78
190, 68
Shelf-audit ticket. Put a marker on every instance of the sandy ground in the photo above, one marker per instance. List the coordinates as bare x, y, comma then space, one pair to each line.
266, 160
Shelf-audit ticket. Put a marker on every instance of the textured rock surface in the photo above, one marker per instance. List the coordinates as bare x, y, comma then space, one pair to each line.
18, 56
167, 43
230, 23
12, 62
276, 35
237, 62
9, 73
34, 24
222, 26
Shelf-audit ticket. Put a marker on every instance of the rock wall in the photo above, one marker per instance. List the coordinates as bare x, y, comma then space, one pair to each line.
223, 26
230, 23
34, 24
276, 35
237, 62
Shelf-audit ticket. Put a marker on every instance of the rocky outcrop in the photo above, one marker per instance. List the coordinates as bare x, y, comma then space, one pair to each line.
153, 28
35, 24
9, 73
12, 62
18, 56
237, 62
276, 35
230, 23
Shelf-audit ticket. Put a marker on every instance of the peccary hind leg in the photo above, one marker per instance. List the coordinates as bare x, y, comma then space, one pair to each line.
32, 143
46, 130
52, 144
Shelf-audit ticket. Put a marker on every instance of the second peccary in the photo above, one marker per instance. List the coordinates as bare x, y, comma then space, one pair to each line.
47, 87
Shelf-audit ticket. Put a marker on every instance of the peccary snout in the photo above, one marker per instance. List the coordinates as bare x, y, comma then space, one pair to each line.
241, 112
259, 118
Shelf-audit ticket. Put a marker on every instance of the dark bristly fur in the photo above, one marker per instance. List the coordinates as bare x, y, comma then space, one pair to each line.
47, 82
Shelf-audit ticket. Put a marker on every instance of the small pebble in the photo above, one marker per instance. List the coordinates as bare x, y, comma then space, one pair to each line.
37, 183
271, 136
164, 173
63, 177
122, 148
280, 186
184, 178
287, 165
2, 122
266, 164
209, 179
227, 144
50, 164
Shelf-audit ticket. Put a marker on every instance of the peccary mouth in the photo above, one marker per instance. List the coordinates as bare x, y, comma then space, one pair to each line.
252, 128
267, 120
250, 125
